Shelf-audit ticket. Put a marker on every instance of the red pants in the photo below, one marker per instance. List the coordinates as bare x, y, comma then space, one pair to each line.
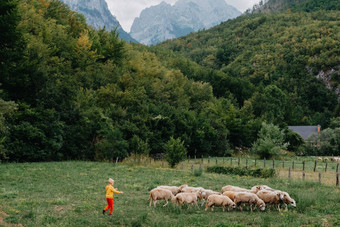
109, 205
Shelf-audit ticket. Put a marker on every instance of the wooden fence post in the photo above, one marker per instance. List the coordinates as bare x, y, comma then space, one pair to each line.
303, 176
231, 161
315, 165
209, 160
216, 160
264, 163
326, 166
162, 163
238, 162
293, 165
117, 160
192, 168
337, 168
255, 162
337, 179
320, 177
289, 173
303, 166
202, 158
247, 163
283, 164
181, 165
273, 163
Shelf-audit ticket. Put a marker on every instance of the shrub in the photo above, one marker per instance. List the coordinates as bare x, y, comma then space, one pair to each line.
175, 150
242, 171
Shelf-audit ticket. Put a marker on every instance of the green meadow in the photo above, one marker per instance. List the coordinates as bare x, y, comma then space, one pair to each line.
73, 194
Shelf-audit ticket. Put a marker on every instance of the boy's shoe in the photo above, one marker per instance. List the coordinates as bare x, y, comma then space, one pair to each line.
103, 211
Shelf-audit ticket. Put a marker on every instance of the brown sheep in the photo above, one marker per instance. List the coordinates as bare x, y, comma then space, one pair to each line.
271, 197
186, 198
174, 189
219, 200
249, 198
160, 194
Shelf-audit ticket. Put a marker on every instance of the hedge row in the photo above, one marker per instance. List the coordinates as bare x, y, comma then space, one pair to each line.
242, 171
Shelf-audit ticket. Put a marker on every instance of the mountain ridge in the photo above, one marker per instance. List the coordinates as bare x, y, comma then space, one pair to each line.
98, 15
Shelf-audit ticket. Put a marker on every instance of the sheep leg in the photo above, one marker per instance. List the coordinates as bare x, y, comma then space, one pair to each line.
150, 202
223, 208
154, 203
202, 202
166, 203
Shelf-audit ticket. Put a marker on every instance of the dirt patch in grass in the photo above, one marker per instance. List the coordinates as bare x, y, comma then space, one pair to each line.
3, 215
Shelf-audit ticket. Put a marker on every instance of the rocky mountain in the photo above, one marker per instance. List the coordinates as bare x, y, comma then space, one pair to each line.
162, 22
98, 15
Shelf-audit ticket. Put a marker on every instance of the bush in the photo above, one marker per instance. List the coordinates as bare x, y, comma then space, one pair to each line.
270, 142
175, 150
242, 171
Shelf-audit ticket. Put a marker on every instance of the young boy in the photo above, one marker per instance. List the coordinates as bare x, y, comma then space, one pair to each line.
109, 195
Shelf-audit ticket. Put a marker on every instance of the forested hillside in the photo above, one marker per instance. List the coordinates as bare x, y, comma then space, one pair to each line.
288, 64
71, 92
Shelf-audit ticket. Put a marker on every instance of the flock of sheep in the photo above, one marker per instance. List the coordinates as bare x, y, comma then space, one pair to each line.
230, 197
333, 159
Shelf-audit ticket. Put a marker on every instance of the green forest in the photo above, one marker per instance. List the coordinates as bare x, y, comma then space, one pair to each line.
69, 92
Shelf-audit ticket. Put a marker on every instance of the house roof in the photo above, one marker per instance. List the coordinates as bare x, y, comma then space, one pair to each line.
305, 131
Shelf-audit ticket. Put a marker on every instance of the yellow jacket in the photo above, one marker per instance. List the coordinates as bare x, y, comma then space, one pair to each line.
109, 191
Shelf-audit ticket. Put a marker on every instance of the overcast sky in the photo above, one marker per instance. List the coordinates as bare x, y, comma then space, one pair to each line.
127, 10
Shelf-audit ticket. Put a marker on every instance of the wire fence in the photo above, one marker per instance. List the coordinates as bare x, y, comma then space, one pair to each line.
325, 172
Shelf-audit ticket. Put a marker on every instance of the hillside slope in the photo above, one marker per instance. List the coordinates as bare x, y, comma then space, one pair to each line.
297, 52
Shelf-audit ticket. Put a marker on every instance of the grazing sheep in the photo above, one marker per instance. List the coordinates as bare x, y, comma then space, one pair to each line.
219, 200
271, 197
325, 159
174, 189
249, 198
186, 198
288, 200
198, 190
230, 194
258, 188
319, 158
160, 194
335, 159
233, 188
206, 193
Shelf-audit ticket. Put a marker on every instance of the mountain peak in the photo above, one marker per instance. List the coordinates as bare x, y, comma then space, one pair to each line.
161, 22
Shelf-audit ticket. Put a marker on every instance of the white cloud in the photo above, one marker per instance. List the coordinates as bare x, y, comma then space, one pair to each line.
127, 10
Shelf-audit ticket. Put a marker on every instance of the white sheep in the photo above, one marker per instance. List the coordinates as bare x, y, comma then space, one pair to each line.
206, 193
174, 189
186, 198
233, 188
230, 194
219, 200
286, 198
271, 197
160, 194
258, 188
249, 198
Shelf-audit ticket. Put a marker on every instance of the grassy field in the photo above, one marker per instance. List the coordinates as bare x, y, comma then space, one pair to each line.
73, 194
